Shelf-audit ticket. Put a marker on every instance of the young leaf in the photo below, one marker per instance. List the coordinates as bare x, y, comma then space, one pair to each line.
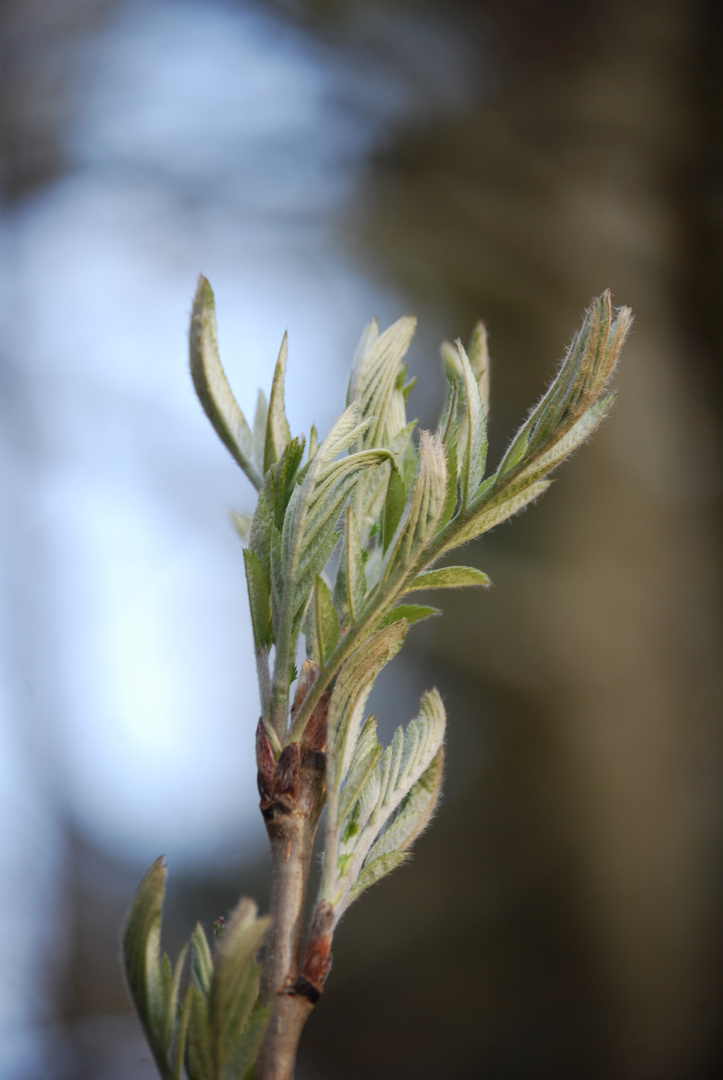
374, 382
449, 577
326, 620
393, 507
424, 506
411, 613
277, 427
495, 513
259, 430
211, 384
581, 379
259, 599
153, 985
472, 441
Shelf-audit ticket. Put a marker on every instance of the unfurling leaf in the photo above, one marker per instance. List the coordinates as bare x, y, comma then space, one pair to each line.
259, 599
449, 577
152, 983
411, 613
226, 1023
211, 384
277, 426
495, 513
325, 619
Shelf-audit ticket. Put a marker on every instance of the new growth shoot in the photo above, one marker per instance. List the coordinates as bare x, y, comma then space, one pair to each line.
344, 531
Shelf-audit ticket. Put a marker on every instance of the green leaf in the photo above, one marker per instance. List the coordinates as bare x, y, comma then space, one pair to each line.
494, 514
424, 507
374, 382
393, 507
141, 955
211, 384
375, 870
242, 524
413, 814
277, 427
327, 622
351, 578
472, 439
153, 984
449, 577
259, 599
259, 431
479, 359
351, 691
235, 984
411, 613
581, 378
202, 966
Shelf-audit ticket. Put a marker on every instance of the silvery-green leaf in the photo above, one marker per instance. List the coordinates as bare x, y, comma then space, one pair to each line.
479, 359
449, 577
317, 502
412, 815
411, 613
277, 427
242, 524
202, 966
370, 333
374, 382
199, 1051
313, 442
259, 430
247, 1048
351, 578
259, 599
235, 983
496, 513
424, 505
378, 805
179, 1050
141, 956
374, 871
350, 695
410, 754
211, 384
582, 376
326, 620
472, 439
171, 1002
367, 753
393, 506
577, 434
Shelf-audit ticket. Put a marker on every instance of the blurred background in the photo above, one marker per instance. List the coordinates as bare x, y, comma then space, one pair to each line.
322, 162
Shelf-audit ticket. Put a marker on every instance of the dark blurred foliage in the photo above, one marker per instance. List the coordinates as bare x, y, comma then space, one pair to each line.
562, 917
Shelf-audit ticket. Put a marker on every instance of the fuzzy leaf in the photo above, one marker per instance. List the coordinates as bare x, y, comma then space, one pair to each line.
424, 506
375, 870
259, 430
350, 695
411, 613
581, 379
235, 984
326, 620
259, 599
393, 507
202, 966
277, 426
211, 384
472, 440
496, 513
413, 814
374, 382
449, 577
141, 954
